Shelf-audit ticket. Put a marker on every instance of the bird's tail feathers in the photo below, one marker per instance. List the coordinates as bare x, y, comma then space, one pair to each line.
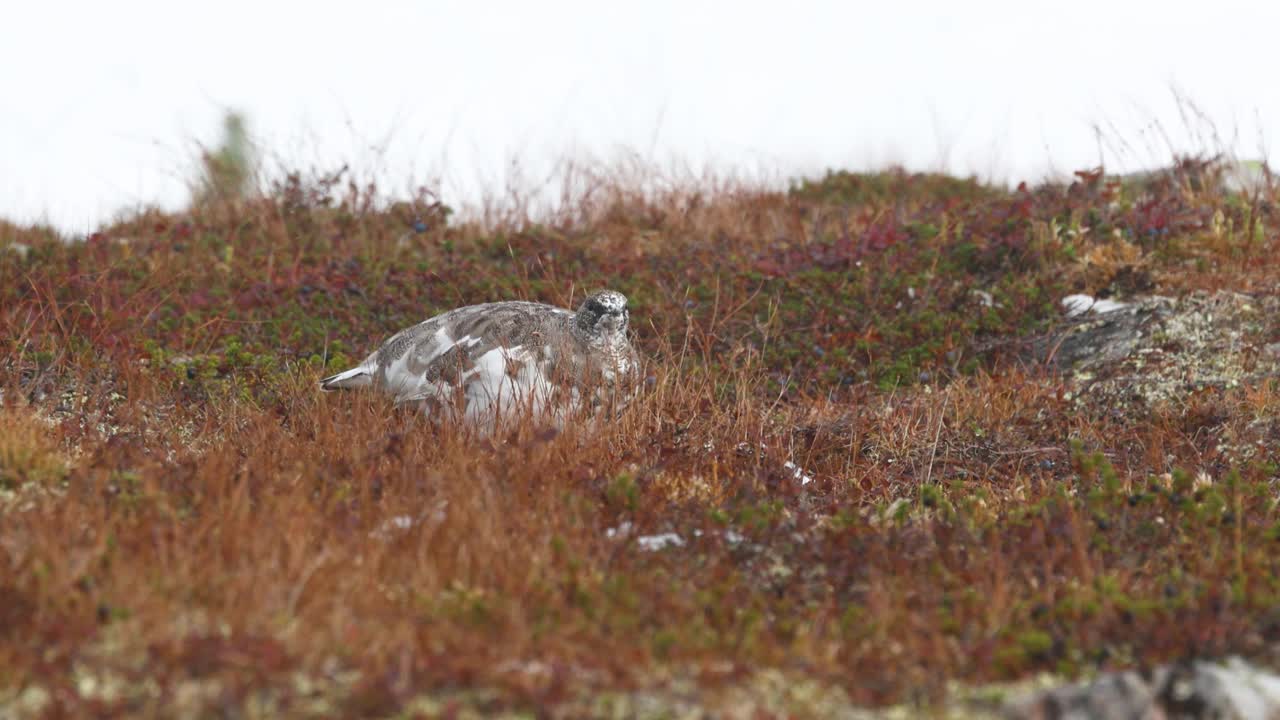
354, 378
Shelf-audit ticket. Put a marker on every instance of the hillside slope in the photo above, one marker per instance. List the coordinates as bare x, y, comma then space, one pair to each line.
861, 474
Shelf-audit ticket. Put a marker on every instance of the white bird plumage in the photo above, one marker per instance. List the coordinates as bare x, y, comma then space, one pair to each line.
482, 364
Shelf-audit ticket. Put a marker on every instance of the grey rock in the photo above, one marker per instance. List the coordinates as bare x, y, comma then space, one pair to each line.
1228, 690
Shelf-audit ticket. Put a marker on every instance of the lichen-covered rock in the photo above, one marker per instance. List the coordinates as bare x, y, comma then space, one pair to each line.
1158, 349
1229, 690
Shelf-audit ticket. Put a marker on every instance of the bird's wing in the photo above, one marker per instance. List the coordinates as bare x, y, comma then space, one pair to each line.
481, 351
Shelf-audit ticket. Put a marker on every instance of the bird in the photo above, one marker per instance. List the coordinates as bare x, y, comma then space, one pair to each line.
488, 363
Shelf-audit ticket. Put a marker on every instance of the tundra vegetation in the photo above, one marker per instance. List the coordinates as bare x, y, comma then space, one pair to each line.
860, 473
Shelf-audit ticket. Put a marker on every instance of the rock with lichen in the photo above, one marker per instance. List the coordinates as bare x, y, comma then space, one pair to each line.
1198, 689
1157, 349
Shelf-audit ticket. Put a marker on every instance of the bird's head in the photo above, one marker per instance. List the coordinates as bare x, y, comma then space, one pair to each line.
603, 314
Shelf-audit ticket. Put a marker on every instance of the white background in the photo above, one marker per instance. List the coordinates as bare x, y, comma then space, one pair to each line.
101, 104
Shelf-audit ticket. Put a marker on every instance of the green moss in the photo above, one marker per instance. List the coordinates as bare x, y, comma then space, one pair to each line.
623, 492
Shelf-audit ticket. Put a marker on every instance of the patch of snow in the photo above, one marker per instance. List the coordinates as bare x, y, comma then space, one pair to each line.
1077, 305
391, 526
1106, 306
621, 531
651, 543
401, 523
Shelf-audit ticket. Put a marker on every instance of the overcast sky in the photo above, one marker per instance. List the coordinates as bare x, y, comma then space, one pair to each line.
101, 103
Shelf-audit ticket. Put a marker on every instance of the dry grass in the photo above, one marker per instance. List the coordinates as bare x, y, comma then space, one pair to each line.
189, 527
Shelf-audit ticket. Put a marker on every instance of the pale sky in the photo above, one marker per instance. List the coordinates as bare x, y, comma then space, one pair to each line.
101, 104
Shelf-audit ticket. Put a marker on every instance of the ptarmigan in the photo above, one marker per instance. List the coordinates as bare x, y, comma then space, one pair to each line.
483, 364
